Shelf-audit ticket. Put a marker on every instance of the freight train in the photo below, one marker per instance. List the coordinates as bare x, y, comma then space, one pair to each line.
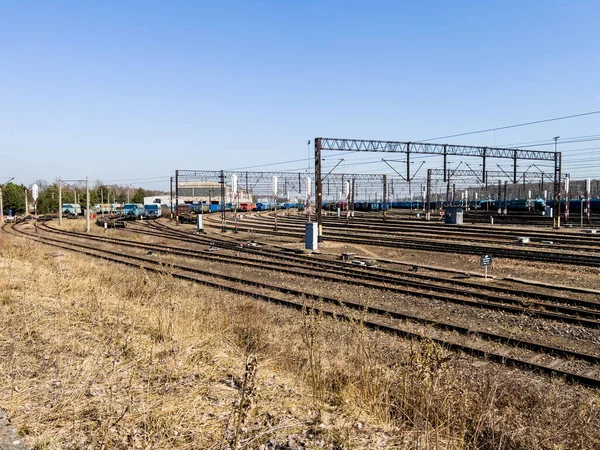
534, 205
575, 205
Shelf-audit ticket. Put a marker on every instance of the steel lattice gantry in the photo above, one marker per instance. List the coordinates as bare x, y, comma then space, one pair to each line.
217, 185
361, 145
292, 185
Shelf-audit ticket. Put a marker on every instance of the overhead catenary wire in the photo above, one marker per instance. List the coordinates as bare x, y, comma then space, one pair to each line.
506, 127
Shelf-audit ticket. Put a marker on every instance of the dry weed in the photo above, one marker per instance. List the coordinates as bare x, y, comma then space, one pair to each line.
95, 355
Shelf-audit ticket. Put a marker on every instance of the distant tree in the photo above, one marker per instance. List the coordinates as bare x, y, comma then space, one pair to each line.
102, 193
139, 195
47, 201
121, 197
13, 198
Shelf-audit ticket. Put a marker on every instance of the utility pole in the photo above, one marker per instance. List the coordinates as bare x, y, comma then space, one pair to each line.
222, 182
26, 205
428, 197
384, 196
87, 205
557, 179
177, 198
59, 202
171, 202
505, 197
318, 189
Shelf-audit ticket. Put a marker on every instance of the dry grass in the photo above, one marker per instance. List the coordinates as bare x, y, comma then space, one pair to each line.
94, 355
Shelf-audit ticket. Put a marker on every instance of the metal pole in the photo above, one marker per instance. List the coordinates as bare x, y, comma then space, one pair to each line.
1, 207
59, 202
408, 161
222, 181
483, 171
557, 179
505, 198
102, 200
588, 194
499, 197
384, 196
171, 193
275, 181
87, 205
26, 205
235, 202
275, 201
445, 163
319, 189
428, 196
567, 196
353, 194
177, 197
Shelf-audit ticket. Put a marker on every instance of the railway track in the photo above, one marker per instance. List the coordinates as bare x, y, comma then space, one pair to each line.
572, 366
579, 242
361, 238
586, 313
172, 233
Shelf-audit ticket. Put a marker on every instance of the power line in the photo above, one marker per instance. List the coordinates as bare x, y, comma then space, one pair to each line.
512, 126
164, 177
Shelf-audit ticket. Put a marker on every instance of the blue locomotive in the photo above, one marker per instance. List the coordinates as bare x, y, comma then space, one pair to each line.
133, 210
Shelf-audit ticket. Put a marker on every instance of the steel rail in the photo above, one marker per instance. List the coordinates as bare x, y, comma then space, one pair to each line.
502, 357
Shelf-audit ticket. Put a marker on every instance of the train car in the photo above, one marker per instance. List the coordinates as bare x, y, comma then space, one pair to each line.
474, 204
133, 210
575, 205
183, 209
71, 209
152, 211
538, 205
246, 206
199, 208
264, 206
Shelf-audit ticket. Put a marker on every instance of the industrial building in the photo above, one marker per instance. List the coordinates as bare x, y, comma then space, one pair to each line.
199, 192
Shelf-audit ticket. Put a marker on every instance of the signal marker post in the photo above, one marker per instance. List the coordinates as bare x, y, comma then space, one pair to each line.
485, 261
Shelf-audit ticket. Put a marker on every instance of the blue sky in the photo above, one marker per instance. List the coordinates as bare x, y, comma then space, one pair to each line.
136, 89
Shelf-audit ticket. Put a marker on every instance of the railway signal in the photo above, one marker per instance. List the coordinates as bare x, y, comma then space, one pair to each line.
34, 195
485, 261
